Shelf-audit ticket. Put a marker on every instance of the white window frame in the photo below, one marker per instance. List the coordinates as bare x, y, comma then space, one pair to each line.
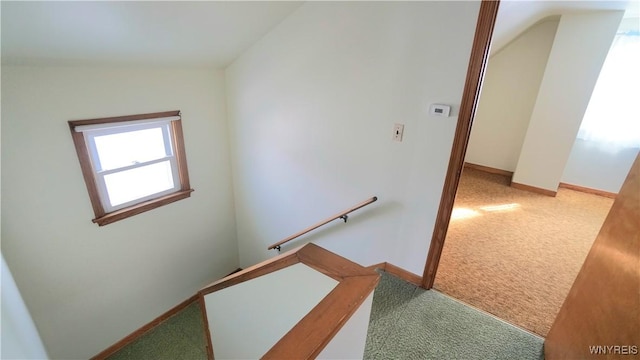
100, 174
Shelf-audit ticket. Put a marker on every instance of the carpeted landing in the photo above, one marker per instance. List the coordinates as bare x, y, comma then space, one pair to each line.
406, 322
514, 253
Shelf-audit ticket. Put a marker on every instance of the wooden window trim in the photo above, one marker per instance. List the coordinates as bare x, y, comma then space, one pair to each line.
177, 140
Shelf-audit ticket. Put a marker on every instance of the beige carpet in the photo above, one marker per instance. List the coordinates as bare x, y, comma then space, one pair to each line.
513, 253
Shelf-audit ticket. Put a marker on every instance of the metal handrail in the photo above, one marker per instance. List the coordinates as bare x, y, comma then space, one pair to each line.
344, 215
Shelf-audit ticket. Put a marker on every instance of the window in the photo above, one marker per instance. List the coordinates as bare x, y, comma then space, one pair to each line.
612, 118
131, 164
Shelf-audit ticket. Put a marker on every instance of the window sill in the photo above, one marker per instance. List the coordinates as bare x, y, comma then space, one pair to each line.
142, 207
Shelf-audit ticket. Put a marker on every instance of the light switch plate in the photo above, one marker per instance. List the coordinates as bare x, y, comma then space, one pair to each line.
398, 131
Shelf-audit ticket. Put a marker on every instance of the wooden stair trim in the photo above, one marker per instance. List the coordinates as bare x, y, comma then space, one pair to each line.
380, 266
274, 264
205, 321
404, 274
311, 334
144, 329
321, 260
399, 272
329, 263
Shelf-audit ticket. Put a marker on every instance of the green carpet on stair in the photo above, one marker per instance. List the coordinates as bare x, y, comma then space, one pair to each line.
406, 323
181, 337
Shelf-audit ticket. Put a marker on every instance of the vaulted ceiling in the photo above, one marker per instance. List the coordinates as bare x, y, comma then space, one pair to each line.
193, 33
515, 16
145, 32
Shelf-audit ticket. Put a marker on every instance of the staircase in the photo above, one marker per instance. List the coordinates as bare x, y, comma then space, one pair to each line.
306, 303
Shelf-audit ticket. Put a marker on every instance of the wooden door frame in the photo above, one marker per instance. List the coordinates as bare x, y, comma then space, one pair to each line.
470, 97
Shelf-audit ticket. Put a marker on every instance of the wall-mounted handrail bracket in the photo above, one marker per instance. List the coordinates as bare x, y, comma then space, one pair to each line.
343, 215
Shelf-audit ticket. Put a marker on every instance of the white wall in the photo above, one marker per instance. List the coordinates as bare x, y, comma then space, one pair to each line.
508, 95
311, 112
20, 338
599, 160
263, 309
245, 310
581, 44
351, 339
597, 166
88, 286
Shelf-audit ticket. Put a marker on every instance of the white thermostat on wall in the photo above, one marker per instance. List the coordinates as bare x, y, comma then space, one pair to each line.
440, 110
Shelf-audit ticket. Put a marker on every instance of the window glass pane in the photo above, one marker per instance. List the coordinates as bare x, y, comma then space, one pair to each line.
128, 148
611, 118
137, 183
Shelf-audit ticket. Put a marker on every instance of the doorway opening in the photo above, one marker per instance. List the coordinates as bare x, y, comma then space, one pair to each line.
496, 234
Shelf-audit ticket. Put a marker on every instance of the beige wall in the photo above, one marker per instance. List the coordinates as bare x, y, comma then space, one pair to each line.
535, 93
311, 111
580, 47
88, 286
20, 337
508, 95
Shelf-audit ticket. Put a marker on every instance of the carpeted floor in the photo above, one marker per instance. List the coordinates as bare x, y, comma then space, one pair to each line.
406, 323
181, 337
513, 253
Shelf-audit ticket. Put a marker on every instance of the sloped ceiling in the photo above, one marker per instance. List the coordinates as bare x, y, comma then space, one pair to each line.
515, 16
109, 32
197, 33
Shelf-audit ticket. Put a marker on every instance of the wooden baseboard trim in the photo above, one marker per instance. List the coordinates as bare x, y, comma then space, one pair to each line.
234, 271
404, 274
381, 266
489, 169
398, 272
588, 190
533, 189
144, 329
